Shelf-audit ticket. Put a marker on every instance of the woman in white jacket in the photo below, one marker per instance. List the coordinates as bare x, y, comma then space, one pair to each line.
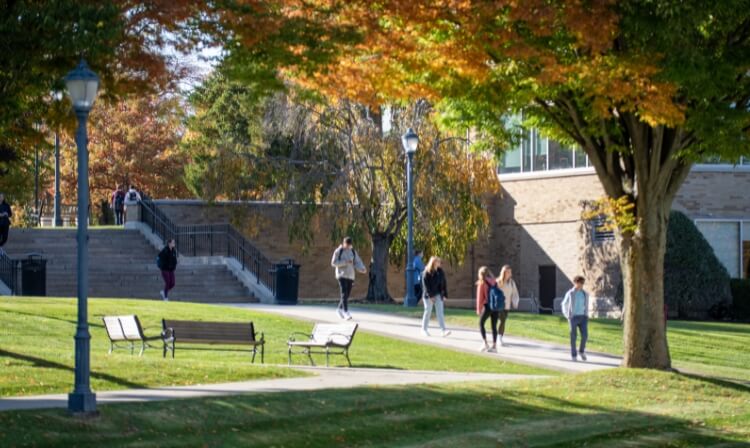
508, 286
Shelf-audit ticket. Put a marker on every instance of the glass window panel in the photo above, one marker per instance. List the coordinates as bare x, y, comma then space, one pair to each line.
580, 158
724, 237
526, 152
560, 157
745, 160
511, 161
540, 152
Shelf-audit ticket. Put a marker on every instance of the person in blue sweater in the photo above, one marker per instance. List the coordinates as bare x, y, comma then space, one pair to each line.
418, 266
575, 307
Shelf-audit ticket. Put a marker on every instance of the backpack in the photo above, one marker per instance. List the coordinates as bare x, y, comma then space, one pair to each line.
495, 298
119, 201
133, 196
341, 250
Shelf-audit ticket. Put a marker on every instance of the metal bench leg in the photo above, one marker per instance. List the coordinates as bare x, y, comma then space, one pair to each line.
173, 350
255, 351
143, 348
309, 355
327, 354
263, 353
290, 355
132, 347
164, 352
346, 353
111, 347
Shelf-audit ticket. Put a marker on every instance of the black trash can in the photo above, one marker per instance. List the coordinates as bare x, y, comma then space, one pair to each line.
34, 276
286, 279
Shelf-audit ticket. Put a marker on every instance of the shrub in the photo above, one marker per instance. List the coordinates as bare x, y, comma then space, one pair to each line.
695, 281
740, 298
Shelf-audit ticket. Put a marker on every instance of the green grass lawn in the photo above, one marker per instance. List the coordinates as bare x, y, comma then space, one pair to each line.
710, 348
633, 408
36, 348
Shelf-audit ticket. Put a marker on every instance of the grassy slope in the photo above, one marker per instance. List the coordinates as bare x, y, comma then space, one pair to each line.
711, 348
600, 409
36, 348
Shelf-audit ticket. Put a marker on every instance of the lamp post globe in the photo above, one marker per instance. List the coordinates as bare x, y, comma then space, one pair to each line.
410, 142
82, 85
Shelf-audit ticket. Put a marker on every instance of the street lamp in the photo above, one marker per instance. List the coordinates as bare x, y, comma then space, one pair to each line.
82, 85
57, 96
410, 141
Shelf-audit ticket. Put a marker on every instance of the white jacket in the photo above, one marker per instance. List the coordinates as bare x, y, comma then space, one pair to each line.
510, 291
346, 261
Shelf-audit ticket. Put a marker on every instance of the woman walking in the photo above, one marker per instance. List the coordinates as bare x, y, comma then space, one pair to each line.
167, 261
5, 214
510, 291
435, 292
486, 281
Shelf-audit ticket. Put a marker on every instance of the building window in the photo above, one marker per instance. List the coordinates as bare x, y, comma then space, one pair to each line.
599, 233
537, 153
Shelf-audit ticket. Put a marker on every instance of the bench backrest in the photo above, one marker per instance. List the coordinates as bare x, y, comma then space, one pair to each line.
114, 330
339, 334
123, 328
211, 332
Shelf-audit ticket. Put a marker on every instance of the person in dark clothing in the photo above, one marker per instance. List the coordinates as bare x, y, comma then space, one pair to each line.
485, 281
168, 263
435, 292
118, 204
5, 214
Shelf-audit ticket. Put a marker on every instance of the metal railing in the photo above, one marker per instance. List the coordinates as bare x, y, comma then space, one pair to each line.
210, 240
9, 269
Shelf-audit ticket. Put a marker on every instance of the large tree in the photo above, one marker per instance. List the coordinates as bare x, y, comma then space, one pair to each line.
644, 87
336, 162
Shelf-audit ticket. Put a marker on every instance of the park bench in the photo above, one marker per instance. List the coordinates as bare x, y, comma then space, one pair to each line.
328, 339
126, 330
196, 332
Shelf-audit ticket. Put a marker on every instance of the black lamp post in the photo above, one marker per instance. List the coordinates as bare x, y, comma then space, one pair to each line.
82, 85
58, 216
410, 141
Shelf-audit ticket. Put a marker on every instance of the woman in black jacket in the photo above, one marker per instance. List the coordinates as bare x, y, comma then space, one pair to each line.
435, 290
5, 214
168, 264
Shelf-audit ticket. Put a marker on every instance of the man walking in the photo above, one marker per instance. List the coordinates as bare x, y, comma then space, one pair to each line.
118, 204
346, 263
167, 263
575, 307
418, 266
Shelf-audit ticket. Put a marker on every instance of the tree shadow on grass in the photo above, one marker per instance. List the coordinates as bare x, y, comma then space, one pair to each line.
46, 364
439, 416
44, 316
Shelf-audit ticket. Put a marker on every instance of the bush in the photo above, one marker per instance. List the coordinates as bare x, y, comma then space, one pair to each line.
694, 279
696, 284
740, 298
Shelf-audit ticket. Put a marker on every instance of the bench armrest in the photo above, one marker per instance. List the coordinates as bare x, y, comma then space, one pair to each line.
167, 334
298, 333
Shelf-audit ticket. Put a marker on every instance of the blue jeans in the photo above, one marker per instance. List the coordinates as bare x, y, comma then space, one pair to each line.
577, 322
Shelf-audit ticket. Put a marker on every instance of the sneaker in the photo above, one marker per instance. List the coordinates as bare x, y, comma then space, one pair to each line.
574, 359
446, 333
492, 350
340, 313
484, 348
583, 356
502, 344
347, 315
161, 293
425, 333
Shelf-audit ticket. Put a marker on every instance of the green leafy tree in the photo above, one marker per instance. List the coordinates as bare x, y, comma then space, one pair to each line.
644, 87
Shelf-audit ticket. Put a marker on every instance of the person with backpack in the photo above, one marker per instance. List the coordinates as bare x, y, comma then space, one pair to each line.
5, 214
490, 301
510, 291
435, 289
118, 204
418, 266
346, 263
575, 307
167, 263
132, 197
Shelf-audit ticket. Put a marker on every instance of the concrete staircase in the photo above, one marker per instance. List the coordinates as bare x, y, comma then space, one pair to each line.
123, 264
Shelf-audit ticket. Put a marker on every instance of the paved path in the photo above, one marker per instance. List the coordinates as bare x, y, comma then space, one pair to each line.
324, 378
523, 351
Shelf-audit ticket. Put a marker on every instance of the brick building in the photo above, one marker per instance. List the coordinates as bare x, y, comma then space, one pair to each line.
535, 226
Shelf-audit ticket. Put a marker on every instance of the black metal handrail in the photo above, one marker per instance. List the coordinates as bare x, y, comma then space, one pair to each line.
9, 273
210, 239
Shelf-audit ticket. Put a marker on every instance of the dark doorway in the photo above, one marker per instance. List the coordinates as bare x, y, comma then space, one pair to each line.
547, 288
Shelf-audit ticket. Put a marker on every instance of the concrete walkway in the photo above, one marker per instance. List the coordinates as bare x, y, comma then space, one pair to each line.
518, 350
323, 378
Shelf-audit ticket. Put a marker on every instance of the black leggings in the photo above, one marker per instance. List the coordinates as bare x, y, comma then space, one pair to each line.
493, 315
345, 287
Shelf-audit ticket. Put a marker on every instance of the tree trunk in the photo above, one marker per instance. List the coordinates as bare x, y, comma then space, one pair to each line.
642, 262
377, 290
